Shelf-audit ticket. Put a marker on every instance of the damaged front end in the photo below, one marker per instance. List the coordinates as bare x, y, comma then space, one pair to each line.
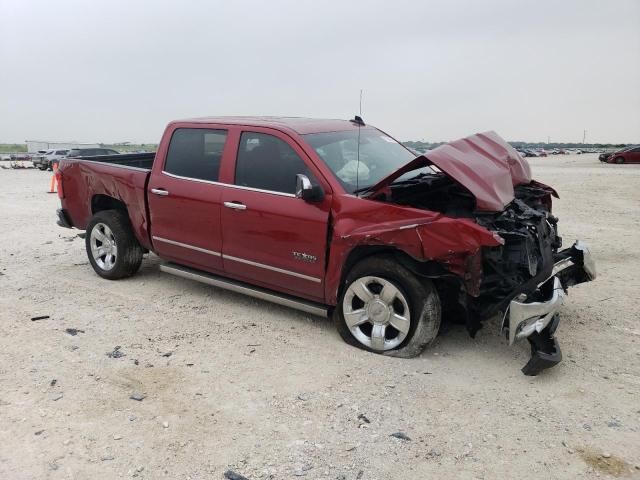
524, 277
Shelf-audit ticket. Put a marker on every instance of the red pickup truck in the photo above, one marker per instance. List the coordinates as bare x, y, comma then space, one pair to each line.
336, 217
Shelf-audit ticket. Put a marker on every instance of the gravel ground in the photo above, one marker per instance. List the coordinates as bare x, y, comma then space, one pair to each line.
232, 383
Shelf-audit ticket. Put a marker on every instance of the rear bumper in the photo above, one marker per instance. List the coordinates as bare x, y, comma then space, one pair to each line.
63, 218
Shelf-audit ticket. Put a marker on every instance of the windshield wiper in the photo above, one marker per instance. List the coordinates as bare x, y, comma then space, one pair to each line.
412, 179
401, 182
362, 190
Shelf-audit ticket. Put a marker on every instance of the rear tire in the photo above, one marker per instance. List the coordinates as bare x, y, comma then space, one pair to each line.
112, 248
397, 298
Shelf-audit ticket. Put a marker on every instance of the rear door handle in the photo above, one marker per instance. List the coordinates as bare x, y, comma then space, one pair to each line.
235, 205
160, 191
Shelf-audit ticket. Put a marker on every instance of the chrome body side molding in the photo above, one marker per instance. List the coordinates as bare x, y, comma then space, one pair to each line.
246, 289
273, 269
184, 245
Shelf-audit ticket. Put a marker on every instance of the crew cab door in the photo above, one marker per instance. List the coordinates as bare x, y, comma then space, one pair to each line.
184, 198
270, 237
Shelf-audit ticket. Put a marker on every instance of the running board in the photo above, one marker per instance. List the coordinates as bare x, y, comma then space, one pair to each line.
246, 289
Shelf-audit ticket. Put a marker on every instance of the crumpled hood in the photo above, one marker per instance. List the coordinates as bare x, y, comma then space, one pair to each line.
483, 163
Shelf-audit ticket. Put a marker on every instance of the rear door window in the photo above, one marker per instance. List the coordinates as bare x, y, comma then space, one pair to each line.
268, 163
196, 153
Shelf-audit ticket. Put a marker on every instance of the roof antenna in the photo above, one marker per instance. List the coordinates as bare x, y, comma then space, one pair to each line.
358, 121
358, 118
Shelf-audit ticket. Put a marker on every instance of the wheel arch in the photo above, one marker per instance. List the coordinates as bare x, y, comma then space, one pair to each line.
436, 272
388, 263
100, 202
127, 259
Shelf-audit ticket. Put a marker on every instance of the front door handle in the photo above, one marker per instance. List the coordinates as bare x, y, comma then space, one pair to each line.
235, 205
160, 191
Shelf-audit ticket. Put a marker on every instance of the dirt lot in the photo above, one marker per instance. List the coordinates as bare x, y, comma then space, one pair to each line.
270, 393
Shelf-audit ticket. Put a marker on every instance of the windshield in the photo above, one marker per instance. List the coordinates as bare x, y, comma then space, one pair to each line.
380, 155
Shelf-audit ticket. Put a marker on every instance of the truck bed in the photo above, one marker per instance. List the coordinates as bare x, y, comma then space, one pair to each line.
137, 160
88, 182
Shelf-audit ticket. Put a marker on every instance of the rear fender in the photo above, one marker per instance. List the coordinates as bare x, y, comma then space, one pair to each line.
85, 181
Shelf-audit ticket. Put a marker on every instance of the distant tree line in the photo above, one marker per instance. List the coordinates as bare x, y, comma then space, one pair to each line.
420, 146
424, 146
120, 147
124, 147
13, 147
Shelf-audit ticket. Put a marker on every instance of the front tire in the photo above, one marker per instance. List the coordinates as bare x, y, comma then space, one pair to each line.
619, 160
112, 248
386, 309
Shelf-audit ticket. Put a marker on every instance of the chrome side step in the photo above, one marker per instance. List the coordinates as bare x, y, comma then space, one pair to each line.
250, 290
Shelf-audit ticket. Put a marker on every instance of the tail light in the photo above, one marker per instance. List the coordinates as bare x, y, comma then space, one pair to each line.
58, 175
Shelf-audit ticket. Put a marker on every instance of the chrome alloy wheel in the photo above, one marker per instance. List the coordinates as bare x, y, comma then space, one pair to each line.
103, 246
376, 312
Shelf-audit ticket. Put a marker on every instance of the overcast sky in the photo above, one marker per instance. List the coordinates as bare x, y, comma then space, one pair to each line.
119, 70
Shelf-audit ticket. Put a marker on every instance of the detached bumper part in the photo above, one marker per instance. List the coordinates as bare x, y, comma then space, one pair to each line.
537, 320
588, 263
545, 351
527, 318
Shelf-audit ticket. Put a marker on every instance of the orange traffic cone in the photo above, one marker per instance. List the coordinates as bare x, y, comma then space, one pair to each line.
54, 182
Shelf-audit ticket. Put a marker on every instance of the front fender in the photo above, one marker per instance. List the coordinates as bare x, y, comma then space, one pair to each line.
421, 234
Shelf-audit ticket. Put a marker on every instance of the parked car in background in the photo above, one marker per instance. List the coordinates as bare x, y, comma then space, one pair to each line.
625, 155
38, 159
46, 160
603, 157
528, 153
20, 156
90, 152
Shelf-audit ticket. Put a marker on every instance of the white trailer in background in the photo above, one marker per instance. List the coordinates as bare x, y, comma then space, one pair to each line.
35, 145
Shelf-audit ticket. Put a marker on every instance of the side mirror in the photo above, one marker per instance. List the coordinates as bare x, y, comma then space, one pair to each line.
306, 191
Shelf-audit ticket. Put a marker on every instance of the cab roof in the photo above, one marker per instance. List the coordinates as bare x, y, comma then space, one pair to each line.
298, 125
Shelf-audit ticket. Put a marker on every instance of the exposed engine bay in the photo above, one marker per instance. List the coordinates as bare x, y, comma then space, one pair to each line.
529, 266
526, 225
